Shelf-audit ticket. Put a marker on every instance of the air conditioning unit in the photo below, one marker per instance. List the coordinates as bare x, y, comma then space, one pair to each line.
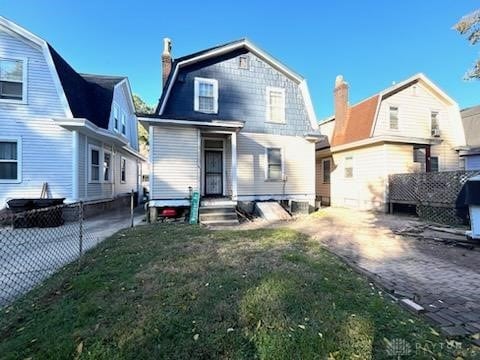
436, 132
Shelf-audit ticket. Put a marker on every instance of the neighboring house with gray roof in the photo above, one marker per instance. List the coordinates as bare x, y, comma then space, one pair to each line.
75, 132
471, 125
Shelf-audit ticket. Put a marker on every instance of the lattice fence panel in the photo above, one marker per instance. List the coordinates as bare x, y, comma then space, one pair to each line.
434, 193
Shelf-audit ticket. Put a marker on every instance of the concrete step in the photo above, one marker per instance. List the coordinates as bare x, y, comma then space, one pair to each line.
218, 216
216, 209
220, 222
218, 202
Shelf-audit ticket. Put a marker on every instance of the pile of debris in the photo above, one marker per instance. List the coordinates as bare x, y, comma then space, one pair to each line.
445, 234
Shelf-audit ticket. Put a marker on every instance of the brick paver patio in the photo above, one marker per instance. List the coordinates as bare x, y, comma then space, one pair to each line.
443, 279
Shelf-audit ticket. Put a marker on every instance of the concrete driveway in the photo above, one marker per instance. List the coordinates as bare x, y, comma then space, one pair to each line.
445, 280
28, 256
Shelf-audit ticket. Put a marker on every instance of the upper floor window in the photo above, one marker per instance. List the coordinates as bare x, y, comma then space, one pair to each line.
435, 127
274, 164
12, 79
124, 123
275, 104
393, 112
348, 167
9, 160
116, 116
206, 96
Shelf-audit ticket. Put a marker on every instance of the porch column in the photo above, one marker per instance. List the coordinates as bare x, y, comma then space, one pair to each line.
234, 165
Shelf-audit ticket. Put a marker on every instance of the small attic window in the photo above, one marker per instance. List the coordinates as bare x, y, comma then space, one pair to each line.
243, 62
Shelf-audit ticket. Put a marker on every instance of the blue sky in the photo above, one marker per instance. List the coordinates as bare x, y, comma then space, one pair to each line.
371, 43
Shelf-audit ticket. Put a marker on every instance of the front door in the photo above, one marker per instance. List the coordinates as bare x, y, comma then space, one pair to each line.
213, 173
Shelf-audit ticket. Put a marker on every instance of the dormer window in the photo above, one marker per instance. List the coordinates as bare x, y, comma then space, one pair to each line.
115, 117
206, 96
124, 123
12, 80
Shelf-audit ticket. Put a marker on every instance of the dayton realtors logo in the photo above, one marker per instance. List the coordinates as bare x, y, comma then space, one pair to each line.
398, 348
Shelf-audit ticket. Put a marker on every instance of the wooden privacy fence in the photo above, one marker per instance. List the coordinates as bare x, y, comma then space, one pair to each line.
434, 193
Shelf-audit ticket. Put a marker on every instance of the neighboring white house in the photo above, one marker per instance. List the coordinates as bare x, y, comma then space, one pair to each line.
412, 126
232, 123
471, 124
75, 132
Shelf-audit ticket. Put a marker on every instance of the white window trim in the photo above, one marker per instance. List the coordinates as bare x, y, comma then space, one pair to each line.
282, 154
353, 167
115, 108
105, 151
100, 161
196, 102
121, 162
268, 90
323, 169
18, 140
398, 117
24, 81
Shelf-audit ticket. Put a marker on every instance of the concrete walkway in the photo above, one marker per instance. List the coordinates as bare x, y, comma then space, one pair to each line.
28, 256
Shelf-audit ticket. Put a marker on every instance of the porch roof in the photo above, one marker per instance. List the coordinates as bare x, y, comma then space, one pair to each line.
234, 125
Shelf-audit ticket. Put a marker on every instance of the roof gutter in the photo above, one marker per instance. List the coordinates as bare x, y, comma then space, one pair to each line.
384, 139
233, 124
90, 129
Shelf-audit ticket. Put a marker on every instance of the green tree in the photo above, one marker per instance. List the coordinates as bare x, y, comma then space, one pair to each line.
469, 26
141, 107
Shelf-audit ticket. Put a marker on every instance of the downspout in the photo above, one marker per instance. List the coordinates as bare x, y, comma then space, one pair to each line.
75, 165
113, 160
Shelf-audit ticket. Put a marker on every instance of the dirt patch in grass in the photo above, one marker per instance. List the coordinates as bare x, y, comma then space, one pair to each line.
176, 292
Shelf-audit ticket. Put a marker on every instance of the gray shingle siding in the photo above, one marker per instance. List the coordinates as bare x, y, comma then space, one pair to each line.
241, 95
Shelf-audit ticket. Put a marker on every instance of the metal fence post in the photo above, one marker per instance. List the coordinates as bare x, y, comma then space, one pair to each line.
132, 194
80, 235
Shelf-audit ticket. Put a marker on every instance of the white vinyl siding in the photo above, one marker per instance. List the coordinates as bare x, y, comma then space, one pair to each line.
275, 98
298, 160
46, 154
415, 122
175, 153
126, 116
205, 95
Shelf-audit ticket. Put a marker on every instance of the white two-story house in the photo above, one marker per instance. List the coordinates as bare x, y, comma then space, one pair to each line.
412, 126
74, 132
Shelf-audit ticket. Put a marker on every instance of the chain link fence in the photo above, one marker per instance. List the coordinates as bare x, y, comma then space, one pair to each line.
35, 244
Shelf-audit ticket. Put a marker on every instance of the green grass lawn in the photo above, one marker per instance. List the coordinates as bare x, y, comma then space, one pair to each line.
179, 292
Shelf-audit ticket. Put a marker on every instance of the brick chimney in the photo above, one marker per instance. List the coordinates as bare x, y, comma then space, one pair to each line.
340, 95
166, 60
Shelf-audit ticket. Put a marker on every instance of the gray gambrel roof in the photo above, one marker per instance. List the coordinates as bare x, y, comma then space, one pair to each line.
89, 96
